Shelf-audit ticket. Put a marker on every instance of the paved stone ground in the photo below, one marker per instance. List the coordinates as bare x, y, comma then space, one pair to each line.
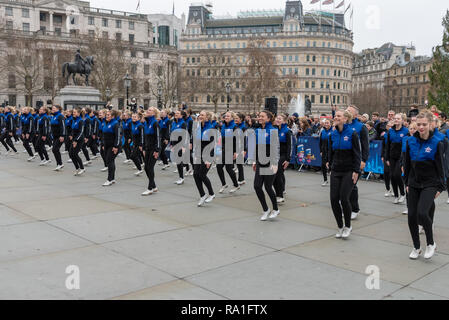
164, 247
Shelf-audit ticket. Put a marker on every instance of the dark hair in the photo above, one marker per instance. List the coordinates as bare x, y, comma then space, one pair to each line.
375, 114
269, 114
58, 107
443, 115
88, 110
370, 123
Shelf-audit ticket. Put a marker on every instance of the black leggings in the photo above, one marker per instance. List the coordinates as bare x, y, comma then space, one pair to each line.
85, 152
241, 172
163, 155
110, 162
200, 175
387, 177
6, 140
396, 177
67, 143
26, 145
279, 181
92, 144
267, 181
230, 170
127, 149
57, 151
103, 156
324, 171
41, 150
341, 188
420, 203
73, 153
136, 157
150, 162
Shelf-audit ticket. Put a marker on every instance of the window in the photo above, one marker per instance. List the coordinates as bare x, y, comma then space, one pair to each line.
11, 81
8, 11
131, 25
25, 13
307, 58
118, 36
307, 84
26, 27
57, 19
284, 58
105, 35
58, 31
9, 25
91, 21
42, 17
307, 71
296, 58
313, 58
290, 58
104, 22
133, 53
92, 33
131, 39
146, 87
133, 68
118, 24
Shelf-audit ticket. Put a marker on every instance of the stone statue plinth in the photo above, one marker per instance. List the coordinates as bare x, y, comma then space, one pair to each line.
77, 93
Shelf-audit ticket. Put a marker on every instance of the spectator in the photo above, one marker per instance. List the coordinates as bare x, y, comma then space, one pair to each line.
372, 133
316, 125
304, 128
375, 118
444, 126
365, 118
414, 111
434, 110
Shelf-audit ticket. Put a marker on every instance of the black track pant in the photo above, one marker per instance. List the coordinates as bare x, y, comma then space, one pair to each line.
396, 177
127, 149
3, 141
163, 155
420, 202
200, 175
110, 162
67, 143
73, 153
92, 144
230, 170
7, 139
103, 156
387, 177
41, 150
57, 151
354, 198
85, 152
324, 171
279, 181
266, 181
135, 157
150, 162
26, 145
341, 188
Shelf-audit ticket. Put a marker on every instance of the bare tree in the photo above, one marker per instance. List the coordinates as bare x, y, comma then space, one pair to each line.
370, 100
165, 79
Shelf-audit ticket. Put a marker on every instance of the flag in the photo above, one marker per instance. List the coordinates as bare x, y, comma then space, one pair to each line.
138, 5
349, 7
326, 2
314, 1
340, 5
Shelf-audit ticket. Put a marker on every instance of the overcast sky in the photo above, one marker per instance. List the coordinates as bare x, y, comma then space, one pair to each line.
375, 21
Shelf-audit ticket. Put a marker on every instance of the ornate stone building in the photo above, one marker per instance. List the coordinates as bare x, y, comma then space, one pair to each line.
49, 32
312, 50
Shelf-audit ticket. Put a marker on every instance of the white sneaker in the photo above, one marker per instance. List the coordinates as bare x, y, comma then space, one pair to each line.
94, 157
241, 183
87, 163
138, 173
234, 189
210, 198
159, 163
346, 233
447, 201
147, 193
223, 188
69, 161
42, 163
415, 254
389, 194
265, 216
176, 171
127, 161
76, 172
104, 169
30, 159
179, 182
274, 214
58, 168
325, 183
405, 212
155, 190
82, 171
202, 201
166, 167
189, 173
24, 151
354, 215
280, 200
107, 184
396, 200
339, 233
47, 162
430, 251
64, 152
401, 199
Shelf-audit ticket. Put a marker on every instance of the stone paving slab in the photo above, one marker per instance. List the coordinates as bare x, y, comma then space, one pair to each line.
283, 276
409, 293
187, 251
36, 238
103, 275
437, 282
357, 253
10, 216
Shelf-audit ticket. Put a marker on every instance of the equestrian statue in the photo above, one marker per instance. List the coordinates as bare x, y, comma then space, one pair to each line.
80, 66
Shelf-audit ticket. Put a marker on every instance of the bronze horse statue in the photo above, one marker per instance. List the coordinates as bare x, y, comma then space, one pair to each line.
74, 68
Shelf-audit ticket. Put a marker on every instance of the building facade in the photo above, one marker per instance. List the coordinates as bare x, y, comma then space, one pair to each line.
313, 51
371, 65
54, 29
407, 83
167, 29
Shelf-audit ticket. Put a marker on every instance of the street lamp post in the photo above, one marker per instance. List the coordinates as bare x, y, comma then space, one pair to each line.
159, 96
228, 91
127, 81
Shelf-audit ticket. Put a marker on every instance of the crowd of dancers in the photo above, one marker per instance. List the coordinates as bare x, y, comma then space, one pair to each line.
414, 153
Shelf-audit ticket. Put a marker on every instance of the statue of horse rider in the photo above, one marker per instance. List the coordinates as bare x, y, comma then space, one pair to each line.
80, 61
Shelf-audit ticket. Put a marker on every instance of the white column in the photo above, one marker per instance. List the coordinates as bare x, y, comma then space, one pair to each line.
51, 22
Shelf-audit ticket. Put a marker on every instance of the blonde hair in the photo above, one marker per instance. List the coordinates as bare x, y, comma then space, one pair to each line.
156, 112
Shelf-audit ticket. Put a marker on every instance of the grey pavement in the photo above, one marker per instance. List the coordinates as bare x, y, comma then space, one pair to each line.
164, 247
